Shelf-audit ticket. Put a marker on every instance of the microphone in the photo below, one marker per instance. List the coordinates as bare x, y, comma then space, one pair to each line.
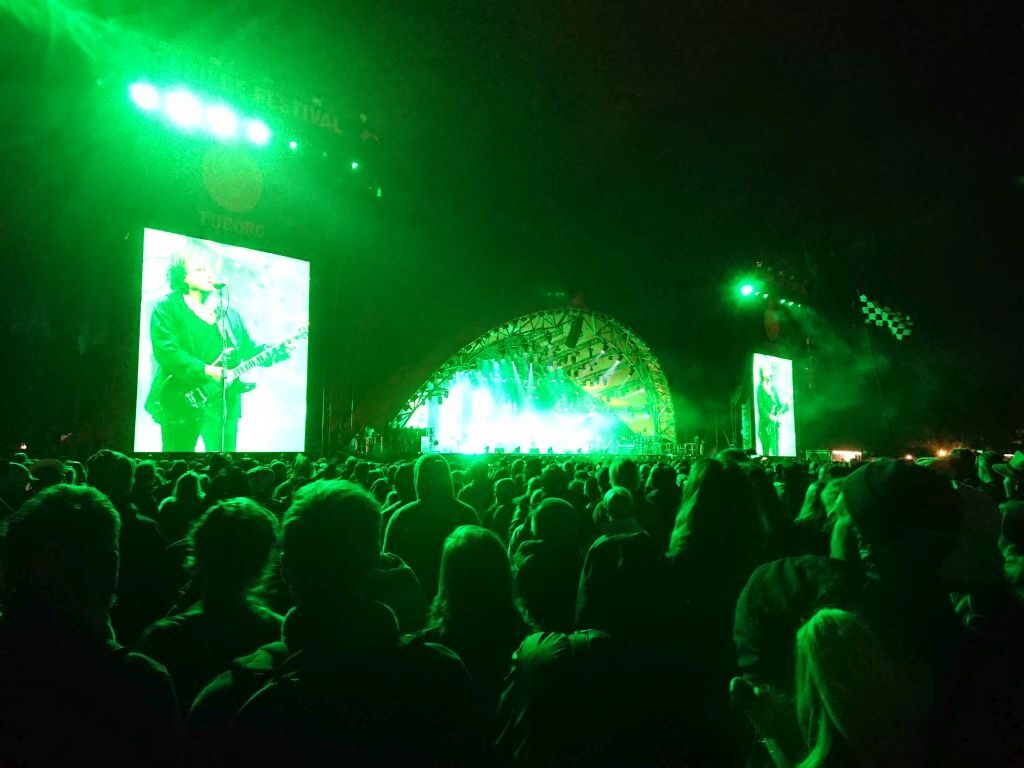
218, 286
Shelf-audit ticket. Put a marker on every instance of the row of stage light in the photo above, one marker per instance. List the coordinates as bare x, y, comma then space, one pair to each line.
184, 110
187, 112
749, 289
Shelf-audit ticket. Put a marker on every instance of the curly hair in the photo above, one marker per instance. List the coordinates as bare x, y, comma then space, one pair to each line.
178, 267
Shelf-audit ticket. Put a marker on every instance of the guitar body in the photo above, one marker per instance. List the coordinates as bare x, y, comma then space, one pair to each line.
179, 399
182, 400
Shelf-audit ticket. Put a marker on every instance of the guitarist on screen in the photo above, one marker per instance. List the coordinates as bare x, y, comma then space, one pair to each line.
770, 409
196, 340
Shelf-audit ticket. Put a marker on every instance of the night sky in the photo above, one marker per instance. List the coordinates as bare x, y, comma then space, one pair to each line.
640, 155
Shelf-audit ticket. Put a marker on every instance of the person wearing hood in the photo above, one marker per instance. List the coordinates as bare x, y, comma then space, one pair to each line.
547, 567
616, 691
417, 531
340, 688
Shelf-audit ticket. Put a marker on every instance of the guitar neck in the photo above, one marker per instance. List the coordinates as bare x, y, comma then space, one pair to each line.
252, 362
264, 356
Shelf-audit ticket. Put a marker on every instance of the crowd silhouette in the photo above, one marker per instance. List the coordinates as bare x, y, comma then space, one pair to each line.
514, 611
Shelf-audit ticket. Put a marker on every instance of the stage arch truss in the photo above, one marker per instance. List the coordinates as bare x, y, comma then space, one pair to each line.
558, 381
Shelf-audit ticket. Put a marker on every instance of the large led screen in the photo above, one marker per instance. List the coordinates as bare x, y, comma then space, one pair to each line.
774, 421
222, 348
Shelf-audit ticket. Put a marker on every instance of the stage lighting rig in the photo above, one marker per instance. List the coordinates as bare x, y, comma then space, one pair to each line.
187, 112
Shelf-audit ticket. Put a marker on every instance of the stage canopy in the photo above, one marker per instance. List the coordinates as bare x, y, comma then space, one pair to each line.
562, 381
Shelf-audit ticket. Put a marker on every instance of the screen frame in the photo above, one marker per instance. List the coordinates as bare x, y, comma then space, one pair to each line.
243, 243
758, 362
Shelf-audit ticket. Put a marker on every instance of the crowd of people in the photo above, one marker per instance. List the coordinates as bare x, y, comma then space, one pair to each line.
513, 611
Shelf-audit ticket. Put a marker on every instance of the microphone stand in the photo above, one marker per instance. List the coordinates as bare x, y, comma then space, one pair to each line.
224, 297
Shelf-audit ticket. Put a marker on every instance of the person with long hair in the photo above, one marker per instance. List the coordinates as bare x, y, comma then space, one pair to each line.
855, 705
178, 511
812, 529
474, 612
718, 540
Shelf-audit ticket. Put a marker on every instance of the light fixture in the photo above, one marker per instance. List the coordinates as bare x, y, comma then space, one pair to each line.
183, 109
222, 122
145, 96
257, 132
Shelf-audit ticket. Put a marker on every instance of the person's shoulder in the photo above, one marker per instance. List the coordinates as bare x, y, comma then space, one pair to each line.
544, 658
466, 513
426, 649
164, 631
404, 513
244, 676
261, 614
426, 646
144, 521
391, 566
143, 671
150, 528
169, 302
541, 650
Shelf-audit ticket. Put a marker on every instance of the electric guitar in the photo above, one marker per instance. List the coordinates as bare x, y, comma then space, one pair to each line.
176, 398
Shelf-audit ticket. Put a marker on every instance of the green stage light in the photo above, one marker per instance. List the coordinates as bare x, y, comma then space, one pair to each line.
746, 289
257, 132
183, 109
355, 166
293, 145
145, 96
222, 122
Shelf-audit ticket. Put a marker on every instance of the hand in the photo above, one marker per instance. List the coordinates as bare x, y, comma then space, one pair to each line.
215, 372
772, 713
843, 544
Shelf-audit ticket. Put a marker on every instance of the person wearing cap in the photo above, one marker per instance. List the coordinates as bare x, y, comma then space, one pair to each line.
1012, 473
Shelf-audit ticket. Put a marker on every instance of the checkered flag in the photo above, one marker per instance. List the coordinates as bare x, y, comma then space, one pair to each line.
899, 324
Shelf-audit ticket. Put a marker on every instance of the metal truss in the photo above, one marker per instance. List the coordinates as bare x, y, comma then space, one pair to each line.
542, 338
